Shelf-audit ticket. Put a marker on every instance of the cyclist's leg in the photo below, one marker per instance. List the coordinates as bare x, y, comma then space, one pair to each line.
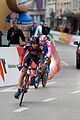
21, 77
26, 63
46, 63
20, 81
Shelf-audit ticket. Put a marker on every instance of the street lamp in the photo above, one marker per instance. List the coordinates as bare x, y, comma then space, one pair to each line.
57, 18
52, 16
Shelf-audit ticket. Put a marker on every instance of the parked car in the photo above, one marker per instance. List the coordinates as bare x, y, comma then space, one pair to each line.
77, 54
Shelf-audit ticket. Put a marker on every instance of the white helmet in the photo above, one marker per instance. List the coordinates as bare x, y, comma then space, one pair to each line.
42, 39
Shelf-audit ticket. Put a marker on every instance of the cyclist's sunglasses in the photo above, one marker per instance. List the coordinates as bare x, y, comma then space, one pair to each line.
42, 41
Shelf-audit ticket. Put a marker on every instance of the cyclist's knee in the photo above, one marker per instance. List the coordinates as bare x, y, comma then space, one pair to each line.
23, 70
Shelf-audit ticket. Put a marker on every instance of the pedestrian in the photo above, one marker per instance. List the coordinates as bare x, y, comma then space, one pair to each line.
66, 30
15, 36
78, 31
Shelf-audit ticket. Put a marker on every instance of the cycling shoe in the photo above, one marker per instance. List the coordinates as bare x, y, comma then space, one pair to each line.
17, 94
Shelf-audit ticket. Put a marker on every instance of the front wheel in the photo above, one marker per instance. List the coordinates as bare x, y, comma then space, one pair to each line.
21, 98
24, 90
44, 79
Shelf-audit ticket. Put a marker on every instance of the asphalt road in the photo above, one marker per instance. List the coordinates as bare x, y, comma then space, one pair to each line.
60, 100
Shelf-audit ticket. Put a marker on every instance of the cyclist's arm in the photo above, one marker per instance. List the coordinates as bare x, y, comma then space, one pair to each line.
24, 50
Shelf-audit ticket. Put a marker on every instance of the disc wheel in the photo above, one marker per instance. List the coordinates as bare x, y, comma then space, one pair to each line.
44, 79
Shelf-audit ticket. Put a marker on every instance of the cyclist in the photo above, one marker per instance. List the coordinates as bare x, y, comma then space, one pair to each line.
43, 46
45, 56
45, 29
33, 54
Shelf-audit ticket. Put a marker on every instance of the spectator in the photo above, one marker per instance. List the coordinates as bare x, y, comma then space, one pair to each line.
66, 30
61, 29
38, 31
33, 29
78, 31
15, 36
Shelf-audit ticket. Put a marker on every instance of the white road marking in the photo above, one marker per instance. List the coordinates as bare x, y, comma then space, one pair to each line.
64, 63
50, 83
74, 92
20, 109
49, 99
13, 89
8, 89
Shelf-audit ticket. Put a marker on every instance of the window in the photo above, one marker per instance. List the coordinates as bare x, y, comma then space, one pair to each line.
79, 4
49, 0
74, 4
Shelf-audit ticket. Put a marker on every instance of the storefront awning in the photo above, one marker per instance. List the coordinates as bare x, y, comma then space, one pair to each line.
73, 15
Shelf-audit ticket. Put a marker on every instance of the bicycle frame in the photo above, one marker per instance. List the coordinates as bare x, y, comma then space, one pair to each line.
32, 72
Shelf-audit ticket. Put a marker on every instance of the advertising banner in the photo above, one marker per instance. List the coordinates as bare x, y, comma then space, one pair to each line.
9, 59
55, 61
64, 37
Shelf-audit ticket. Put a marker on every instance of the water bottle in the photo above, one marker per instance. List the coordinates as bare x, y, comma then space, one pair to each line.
47, 69
37, 79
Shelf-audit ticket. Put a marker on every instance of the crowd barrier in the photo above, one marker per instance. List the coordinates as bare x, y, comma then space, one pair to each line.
9, 60
8, 66
64, 37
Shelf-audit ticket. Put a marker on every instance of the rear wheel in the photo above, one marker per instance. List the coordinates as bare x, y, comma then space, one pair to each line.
44, 79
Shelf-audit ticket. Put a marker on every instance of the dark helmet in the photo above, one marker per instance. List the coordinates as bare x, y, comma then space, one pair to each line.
34, 40
45, 29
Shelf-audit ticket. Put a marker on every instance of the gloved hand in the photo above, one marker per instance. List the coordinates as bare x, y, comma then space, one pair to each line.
19, 66
47, 60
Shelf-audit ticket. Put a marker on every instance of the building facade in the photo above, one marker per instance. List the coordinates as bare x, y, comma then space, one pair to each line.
58, 7
71, 10
37, 11
75, 6
66, 6
53, 12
